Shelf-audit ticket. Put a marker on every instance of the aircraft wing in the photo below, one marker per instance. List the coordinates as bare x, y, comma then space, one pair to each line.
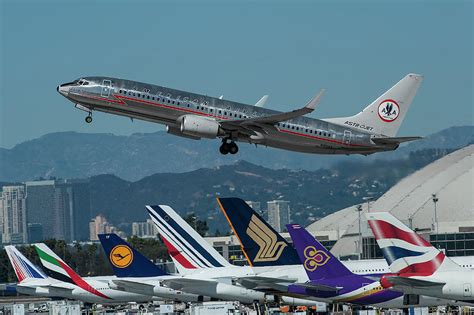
273, 119
265, 283
133, 286
318, 287
413, 283
394, 140
180, 283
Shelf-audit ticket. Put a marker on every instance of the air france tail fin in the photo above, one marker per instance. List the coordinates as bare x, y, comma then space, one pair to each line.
127, 261
24, 269
186, 247
317, 261
59, 270
405, 251
384, 116
261, 244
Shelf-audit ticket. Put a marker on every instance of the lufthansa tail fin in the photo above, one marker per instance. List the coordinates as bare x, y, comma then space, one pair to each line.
261, 244
405, 251
125, 260
187, 248
24, 269
317, 261
384, 116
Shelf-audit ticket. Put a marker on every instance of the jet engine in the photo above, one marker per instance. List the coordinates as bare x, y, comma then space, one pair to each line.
197, 126
177, 132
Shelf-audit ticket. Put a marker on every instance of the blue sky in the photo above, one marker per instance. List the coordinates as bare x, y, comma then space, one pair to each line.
244, 49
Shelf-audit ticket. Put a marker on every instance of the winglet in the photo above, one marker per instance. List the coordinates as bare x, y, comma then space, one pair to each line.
261, 102
311, 105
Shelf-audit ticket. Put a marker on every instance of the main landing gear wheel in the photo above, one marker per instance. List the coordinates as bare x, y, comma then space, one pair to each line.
89, 119
228, 147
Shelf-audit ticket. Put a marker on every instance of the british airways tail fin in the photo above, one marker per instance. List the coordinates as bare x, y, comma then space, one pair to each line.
261, 244
384, 116
127, 261
24, 269
186, 247
405, 251
317, 261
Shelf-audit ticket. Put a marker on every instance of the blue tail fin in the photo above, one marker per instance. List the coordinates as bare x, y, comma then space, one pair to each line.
262, 245
318, 262
125, 260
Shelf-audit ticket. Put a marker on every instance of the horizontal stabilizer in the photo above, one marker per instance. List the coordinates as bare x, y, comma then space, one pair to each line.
394, 140
180, 283
413, 283
260, 283
56, 290
133, 286
318, 287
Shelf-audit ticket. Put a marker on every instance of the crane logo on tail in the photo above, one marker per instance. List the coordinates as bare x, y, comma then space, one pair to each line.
389, 110
121, 256
269, 248
314, 258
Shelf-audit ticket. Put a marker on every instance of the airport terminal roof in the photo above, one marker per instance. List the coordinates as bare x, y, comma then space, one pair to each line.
451, 178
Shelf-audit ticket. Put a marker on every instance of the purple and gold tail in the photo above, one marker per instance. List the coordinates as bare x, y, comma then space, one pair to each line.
318, 262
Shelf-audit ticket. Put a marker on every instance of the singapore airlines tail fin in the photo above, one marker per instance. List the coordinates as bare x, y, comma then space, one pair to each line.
187, 248
405, 251
384, 116
261, 244
126, 261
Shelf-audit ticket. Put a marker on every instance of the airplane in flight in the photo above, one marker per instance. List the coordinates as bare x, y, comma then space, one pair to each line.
330, 279
196, 116
66, 284
417, 266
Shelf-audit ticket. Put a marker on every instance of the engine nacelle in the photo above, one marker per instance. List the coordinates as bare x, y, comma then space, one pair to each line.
177, 132
197, 126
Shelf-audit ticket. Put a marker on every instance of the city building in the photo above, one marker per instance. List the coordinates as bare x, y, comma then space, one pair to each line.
62, 207
278, 212
100, 225
436, 201
35, 232
145, 229
13, 215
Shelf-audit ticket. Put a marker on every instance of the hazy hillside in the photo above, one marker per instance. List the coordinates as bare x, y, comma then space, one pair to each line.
72, 155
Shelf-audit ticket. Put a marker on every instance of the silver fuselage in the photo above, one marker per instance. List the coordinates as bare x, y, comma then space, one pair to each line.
166, 106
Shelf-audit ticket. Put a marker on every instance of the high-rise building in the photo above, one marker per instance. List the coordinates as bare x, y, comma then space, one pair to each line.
35, 232
62, 207
100, 225
13, 215
144, 229
278, 214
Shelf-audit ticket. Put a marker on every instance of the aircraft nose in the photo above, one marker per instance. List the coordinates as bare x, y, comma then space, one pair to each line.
62, 89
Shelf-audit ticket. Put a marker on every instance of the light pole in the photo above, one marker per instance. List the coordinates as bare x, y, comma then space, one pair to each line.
435, 201
368, 199
359, 210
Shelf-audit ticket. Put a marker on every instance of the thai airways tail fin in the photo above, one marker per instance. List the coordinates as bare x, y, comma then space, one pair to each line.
187, 248
125, 260
57, 269
384, 116
405, 251
317, 261
261, 244
24, 269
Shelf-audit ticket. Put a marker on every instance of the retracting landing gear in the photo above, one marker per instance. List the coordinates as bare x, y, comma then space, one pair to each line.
228, 147
89, 118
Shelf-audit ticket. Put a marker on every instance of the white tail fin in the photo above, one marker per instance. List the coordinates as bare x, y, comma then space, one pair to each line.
385, 115
24, 269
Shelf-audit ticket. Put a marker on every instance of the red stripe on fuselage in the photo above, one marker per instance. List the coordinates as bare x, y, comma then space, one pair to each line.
383, 229
177, 255
120, 97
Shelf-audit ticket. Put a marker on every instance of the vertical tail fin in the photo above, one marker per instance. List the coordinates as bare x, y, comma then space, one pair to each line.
404, 250
318, 262
261, 244
187, 248
127, 261
385, 115
59, 270
24, 269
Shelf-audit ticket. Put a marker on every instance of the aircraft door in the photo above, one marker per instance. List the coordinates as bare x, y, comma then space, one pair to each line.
347, 137
106, 87
467, 289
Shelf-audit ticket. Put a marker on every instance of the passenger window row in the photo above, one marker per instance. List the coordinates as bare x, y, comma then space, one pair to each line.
307, 130
149, 97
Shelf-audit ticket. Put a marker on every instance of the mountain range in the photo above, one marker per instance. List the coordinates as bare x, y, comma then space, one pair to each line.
81, 155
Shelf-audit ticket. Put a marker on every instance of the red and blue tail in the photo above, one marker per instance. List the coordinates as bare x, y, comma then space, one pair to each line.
24, 269
405, 251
